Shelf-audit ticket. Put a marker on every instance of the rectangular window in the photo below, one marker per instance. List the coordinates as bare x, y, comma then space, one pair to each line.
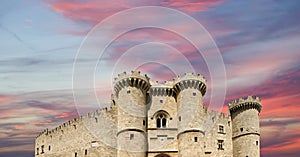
75, 154
42, 147
131, 136
85, 152
37, 151
196, 139
220, 144
49, 148
221, 129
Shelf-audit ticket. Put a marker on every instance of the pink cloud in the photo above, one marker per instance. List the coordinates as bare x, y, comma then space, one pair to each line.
91, 11
191, 6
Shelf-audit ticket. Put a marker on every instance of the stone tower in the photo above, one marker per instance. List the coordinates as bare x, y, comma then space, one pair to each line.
245, 127
190, 90
130, 90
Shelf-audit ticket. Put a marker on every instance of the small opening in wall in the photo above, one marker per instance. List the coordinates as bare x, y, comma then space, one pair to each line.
179, 118
42, 147
257, 143
242, 129
194, 94
75, 154
171, 118
221, 129
128, 91
196, 139
131, 136
144, 122
37, 151
85, 152
74, 126
49, 148
228, 123
96, 119
220, 144
161, 101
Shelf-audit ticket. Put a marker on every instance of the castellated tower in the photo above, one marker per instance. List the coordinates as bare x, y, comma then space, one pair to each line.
190, 90
130, 90
245, 127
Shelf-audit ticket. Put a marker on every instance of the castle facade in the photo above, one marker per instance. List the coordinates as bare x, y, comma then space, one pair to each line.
148, 119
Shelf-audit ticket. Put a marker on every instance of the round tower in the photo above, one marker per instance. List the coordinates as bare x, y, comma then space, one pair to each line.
245, 126
190, 90
130, 90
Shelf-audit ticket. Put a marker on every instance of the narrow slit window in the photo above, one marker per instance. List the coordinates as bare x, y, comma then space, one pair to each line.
131, 136
85, 152
196, 139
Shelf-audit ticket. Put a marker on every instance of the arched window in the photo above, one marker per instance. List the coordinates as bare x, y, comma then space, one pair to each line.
161, 120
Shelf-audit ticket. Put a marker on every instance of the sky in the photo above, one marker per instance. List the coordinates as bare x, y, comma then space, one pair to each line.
258, 41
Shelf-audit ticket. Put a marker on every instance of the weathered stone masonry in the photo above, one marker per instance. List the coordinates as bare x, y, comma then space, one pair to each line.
157, 120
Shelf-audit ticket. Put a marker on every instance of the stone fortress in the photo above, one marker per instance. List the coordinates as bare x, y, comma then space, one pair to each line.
148, 119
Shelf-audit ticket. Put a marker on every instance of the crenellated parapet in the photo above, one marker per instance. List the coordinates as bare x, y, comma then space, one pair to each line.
189, 80
134, 79
165, 89
245, 104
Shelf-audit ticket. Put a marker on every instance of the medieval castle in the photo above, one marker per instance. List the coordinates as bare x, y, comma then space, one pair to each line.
148, 119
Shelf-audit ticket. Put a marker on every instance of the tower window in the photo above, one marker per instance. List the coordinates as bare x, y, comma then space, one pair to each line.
144, 122
85, 152
42, 147
242, 129
179, 118
221, 129
228, 123
194, 94
96, 119
220, 144
196, 139
161, 101
257, 143
161, 121
37, 151
128, 91
49, 148
75, 154
131, 136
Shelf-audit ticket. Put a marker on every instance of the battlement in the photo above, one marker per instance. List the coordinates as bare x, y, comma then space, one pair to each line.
190, 80
76, 121
159, 89
134, 79
244, 104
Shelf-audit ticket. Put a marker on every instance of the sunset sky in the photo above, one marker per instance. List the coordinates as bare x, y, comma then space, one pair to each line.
259, 41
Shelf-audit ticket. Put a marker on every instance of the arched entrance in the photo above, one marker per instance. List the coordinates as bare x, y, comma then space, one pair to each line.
162, 155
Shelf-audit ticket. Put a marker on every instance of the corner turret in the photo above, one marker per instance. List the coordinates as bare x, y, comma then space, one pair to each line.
245, 126
130, 90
